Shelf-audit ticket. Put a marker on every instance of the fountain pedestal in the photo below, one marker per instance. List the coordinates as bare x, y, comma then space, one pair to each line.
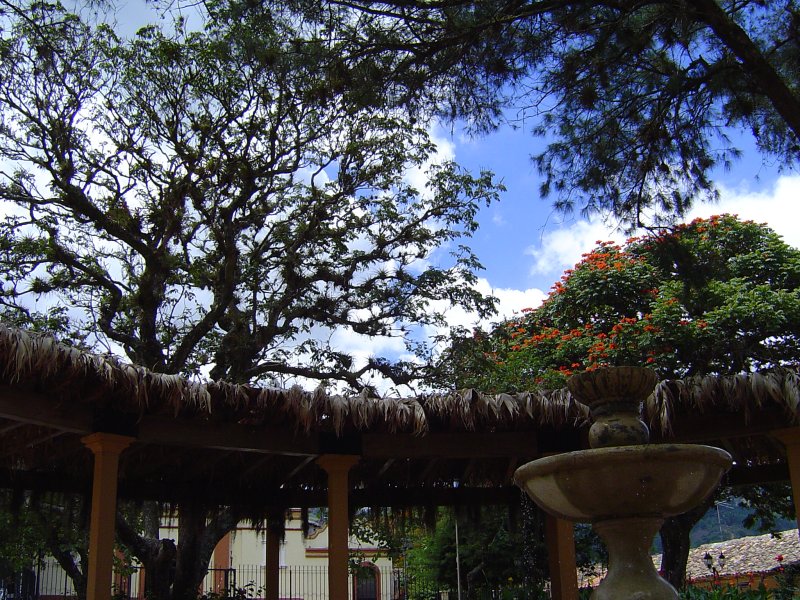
623, 486
628, 542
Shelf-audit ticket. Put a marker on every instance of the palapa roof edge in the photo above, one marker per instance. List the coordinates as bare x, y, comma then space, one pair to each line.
38, 360
742, 392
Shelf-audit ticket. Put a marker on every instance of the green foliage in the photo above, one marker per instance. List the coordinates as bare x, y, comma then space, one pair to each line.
20, 537
245, 592
745, 511
788, 583
32, 525
724, 593
198, 202
716, 296
204, 202
496, 552
766, 504
391, 530
637, 101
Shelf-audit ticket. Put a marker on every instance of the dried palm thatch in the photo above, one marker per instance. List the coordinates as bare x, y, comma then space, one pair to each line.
744, 393
38, 361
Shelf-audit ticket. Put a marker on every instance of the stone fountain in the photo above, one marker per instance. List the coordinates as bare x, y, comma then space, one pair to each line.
624, 487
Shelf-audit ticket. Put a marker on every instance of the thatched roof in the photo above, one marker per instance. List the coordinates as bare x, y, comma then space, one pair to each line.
39, 362
747, 394
241, 439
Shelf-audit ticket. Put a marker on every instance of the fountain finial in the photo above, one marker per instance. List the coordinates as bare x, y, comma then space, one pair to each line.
614, 396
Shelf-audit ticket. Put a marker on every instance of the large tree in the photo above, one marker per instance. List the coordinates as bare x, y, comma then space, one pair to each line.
638, 101
195, 198
716, 296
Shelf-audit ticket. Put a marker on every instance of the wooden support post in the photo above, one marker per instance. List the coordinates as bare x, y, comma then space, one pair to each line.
273, 558
560, 537
790, 438
106, 448
338, 467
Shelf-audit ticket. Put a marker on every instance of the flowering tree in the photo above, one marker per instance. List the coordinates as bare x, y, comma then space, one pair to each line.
715, 296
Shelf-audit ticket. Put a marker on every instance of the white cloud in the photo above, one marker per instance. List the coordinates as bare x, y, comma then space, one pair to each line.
445, 150
497, 219
362, 347
562, 248
778, 207
510, 302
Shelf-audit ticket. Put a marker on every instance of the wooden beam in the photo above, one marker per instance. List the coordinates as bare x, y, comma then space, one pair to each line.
38, 481
561, 558
432, 465
424, 496
11, 427
225, 436
38, 409
269, 495
300, 466
337, 467
451, 445
513, 463
719, 425
257, 464
106, 448
790, 437
385, 466
23, 444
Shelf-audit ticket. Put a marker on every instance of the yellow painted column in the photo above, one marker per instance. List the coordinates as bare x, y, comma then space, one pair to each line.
273, 559
338, 467
790, 438
560, 537
106, 448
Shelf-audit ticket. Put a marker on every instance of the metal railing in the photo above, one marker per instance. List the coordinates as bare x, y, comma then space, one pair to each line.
247, 582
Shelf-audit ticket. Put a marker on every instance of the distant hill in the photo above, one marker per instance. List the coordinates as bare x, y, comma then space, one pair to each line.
724, 522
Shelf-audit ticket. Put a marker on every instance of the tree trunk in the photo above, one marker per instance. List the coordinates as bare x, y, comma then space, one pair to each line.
176, 572
785, 101
199, 532
66, 561
157, 556
675, 543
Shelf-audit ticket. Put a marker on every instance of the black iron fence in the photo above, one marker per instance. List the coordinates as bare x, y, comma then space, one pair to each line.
49, 582
247, 582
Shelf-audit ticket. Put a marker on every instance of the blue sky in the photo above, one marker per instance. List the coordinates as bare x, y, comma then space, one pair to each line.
525, 246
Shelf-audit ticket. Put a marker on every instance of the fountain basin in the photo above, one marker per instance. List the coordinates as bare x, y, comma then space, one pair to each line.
620, 482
